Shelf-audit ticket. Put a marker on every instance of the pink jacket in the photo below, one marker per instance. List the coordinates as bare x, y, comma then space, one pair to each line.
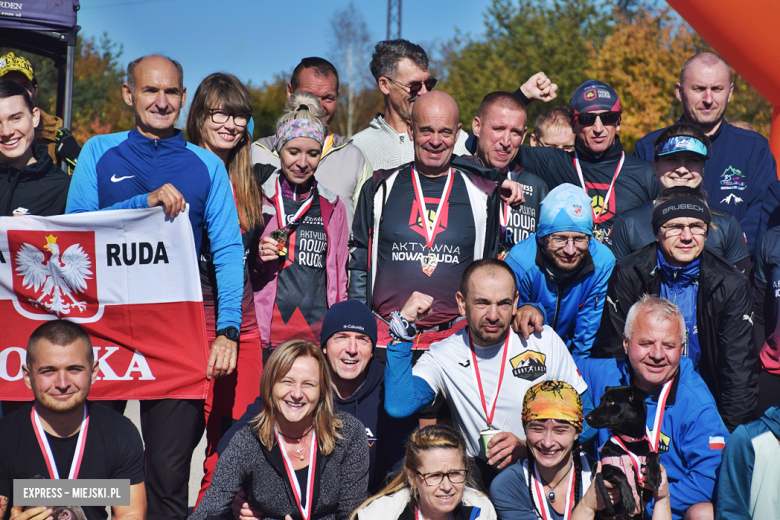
264, 277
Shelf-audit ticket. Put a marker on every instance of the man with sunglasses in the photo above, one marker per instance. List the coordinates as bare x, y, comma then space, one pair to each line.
741, 166
614, 181
562, 268
149, 166
712, 294
343, 168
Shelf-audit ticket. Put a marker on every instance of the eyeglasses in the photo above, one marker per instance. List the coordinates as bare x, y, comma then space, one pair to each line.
221, 117
607, 118
674, 230
434, 479
561, 241
416, 86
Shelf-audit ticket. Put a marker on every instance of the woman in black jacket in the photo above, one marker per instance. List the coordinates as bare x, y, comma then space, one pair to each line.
30, 183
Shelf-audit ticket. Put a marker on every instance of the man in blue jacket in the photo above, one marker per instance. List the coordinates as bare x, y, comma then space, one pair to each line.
750, 474
691, 433
564, 269
151, 166
740, 166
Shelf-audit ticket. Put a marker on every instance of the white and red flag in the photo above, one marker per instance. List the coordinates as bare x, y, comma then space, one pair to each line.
129, 277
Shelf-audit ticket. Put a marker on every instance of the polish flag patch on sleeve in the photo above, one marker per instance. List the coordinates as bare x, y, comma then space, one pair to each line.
717, 443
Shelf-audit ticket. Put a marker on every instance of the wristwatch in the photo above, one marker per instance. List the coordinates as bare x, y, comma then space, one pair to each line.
231, 333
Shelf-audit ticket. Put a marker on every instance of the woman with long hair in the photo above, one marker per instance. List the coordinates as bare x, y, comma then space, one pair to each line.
297, 451
303, 251
217, 122
434, 483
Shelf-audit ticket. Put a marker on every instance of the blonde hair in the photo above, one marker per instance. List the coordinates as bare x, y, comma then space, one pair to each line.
312, 112
420, 441
325, 421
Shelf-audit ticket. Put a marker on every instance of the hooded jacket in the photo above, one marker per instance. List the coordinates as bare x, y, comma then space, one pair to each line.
749, 476
692, 432
397, 506
635, 185
766, 301
573, 305
40, 187
343, 168
739, 170
265, 276
724, 317
386, 435
484, 195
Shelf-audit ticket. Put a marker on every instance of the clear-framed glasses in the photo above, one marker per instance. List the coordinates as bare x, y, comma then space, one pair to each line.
434, 479
221, 117
563, 241
416, 86
674, 230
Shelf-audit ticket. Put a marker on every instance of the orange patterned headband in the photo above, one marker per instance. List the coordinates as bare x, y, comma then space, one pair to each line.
553, 400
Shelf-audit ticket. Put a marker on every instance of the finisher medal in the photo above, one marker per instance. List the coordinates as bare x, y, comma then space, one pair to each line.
281, 236
429, 263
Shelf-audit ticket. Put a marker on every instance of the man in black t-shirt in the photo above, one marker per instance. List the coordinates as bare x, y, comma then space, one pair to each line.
417, 227
85, 440
615, 181
500, 130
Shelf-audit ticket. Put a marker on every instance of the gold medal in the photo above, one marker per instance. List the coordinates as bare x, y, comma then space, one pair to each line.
599, 234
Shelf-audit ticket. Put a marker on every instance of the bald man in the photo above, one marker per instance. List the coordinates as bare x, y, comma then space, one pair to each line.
740, 167
442, 214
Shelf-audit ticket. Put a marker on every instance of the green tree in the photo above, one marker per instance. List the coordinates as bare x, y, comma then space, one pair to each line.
268, 101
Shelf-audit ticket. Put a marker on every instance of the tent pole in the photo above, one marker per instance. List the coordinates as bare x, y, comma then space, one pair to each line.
71, 58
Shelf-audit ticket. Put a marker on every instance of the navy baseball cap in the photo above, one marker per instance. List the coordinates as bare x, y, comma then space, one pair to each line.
594, 95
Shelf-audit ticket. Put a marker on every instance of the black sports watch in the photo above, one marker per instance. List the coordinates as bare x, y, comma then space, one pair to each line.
231, 333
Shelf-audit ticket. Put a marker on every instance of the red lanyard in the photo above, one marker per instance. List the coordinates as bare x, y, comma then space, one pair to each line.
655, 435
503, 217
489, 415
430, 230
43, 442
542, 500
296, 486
280, 216
597, 218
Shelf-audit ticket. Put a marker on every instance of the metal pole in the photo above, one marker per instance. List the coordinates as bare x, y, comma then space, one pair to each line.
71, 58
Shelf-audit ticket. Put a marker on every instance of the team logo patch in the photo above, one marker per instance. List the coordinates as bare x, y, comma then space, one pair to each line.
732, 198
54, 274
732, 179
597, 201
416, 222
575, 211
589, 95
529, 365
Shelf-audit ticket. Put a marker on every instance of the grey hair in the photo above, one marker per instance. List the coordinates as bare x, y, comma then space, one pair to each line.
387, 54
133, 64
661, 308
312, 112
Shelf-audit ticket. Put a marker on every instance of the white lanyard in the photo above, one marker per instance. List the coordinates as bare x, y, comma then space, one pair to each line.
430, 229
655, 435
43, 442
296, 486
280, 215
611, 186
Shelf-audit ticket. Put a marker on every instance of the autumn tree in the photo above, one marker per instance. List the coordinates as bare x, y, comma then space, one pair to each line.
268, 101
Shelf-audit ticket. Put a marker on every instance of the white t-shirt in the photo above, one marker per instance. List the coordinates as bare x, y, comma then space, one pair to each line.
448, 368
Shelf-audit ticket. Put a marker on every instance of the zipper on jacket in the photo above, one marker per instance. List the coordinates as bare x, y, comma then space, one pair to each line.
557, 306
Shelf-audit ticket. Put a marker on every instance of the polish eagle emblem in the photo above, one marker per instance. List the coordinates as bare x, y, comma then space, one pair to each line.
59, 279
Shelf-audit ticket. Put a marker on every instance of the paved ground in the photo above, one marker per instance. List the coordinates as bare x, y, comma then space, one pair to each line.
196, 469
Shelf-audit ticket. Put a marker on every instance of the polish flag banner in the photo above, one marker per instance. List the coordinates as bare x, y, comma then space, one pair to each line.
129, 277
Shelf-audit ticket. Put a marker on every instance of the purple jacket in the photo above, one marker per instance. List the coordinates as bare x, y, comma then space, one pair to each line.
264, 277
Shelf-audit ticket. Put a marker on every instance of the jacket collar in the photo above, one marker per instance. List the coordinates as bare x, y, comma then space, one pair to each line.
717, 133
612, 153
647, 268
176, 141
670, 399
43, 162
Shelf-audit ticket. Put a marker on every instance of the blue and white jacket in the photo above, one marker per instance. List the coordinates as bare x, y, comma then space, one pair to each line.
692, 432
118, 171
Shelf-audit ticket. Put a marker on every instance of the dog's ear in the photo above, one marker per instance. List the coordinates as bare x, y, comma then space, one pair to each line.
636, 395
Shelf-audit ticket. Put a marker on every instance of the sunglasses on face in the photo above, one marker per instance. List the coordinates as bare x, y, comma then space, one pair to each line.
416, 86
607, 118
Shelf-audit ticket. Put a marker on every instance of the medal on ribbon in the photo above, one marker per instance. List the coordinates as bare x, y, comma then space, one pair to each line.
430, 260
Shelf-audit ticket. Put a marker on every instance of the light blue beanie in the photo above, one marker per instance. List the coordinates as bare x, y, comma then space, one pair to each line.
566, 208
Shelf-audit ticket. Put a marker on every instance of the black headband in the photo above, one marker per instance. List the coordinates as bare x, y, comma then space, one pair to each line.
680, 207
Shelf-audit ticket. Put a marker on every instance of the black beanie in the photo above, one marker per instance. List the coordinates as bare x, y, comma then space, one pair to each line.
350, 316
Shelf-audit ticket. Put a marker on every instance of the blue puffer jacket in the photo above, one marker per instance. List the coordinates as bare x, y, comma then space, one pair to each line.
692, 432
573, 306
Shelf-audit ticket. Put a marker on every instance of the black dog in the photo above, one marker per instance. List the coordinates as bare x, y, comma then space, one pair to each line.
623, 410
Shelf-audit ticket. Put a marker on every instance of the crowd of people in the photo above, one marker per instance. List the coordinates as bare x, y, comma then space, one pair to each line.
417, 323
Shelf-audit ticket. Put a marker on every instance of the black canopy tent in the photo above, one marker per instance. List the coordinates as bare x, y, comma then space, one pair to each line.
47, 28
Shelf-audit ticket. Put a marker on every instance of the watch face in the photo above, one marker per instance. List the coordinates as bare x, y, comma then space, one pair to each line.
232, 333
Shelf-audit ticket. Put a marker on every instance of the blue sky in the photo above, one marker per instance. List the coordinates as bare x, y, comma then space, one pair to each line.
255, 39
